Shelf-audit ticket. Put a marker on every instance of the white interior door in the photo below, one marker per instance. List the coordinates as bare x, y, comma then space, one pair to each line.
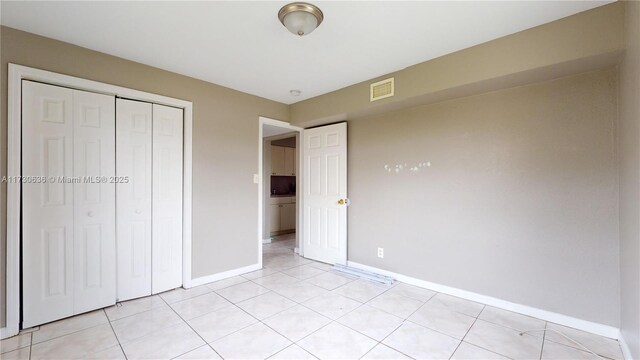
94, 201
167, 198
325, 193
47, 206
133, 198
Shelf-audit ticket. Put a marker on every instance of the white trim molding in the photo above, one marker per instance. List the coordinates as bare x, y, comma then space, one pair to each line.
588, 326
626, 351
225, 275
17, 73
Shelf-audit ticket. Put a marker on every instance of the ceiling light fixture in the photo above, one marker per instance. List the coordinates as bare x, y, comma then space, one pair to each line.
295, 92
300, 18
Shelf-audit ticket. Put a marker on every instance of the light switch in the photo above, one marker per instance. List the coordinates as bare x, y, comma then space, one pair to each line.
256, 179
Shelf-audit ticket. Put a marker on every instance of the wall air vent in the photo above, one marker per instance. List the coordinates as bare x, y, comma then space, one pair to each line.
382, 89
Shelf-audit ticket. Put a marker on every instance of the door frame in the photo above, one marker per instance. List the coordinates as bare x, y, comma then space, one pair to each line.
17, 73
299, 199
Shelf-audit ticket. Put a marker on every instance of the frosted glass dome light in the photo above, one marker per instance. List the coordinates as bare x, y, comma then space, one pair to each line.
300, 18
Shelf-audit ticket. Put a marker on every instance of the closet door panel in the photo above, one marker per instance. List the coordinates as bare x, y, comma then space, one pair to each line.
47, 203
94, 201
133, 198
167, 198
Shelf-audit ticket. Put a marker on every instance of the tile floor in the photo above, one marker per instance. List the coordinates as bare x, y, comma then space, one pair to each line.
299, 309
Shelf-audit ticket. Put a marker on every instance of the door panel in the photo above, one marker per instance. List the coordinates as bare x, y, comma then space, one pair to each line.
94, 201
274, 218
133, 198
167, 198
325, 184
289, 161
47, 225
288, 217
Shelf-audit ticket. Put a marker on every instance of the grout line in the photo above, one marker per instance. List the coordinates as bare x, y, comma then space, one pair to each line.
114, 334
192, 329
544, 336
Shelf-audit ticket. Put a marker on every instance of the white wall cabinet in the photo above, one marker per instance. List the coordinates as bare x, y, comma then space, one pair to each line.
283, 161
81, 249
282, 214
290, 161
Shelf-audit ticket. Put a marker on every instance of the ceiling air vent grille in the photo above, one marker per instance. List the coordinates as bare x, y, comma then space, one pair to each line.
382, 89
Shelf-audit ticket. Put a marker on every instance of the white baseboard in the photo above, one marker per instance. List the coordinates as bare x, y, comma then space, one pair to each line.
296, 250
588, 326
626, 352
223, 275
266, 241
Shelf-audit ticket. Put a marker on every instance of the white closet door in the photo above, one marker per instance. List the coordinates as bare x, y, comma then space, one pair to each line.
94, 201
167, 198
133, 199
47, 224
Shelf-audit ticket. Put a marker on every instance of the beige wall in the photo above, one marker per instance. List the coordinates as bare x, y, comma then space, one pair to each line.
225, 131
571, 45
520, 202
630, 182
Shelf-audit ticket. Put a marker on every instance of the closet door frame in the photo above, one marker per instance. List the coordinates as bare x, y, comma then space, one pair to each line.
16, 74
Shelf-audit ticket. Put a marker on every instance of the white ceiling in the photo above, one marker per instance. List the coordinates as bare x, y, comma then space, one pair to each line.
243, 46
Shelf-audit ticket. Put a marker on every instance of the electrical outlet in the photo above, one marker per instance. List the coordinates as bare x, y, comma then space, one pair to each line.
380, 252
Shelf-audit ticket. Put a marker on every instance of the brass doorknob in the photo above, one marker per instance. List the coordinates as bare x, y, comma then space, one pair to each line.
341, 201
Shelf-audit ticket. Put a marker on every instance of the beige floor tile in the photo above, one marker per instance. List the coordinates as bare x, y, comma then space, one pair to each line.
259, 273
221, 323
15, 342
241, 292
265, 305
297, 322
225, 283
336, 341
300, 292
304, 272
132, 307
599, 344
457, 304
383, 352
361, 290
372, 322
512, 320
504, 341
421, 343
555, 351
275, 280
199, 305
467, 351
20, 354
202, 353
396, 304
451, 323
112, 353
138, 325
321, 266
331, 305
165, 343
69, 325
76, 345
413, 292
329, 280
293, 352
254, 342
180, 294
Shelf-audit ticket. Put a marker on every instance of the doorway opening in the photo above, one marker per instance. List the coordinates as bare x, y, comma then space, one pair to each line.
279, 182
